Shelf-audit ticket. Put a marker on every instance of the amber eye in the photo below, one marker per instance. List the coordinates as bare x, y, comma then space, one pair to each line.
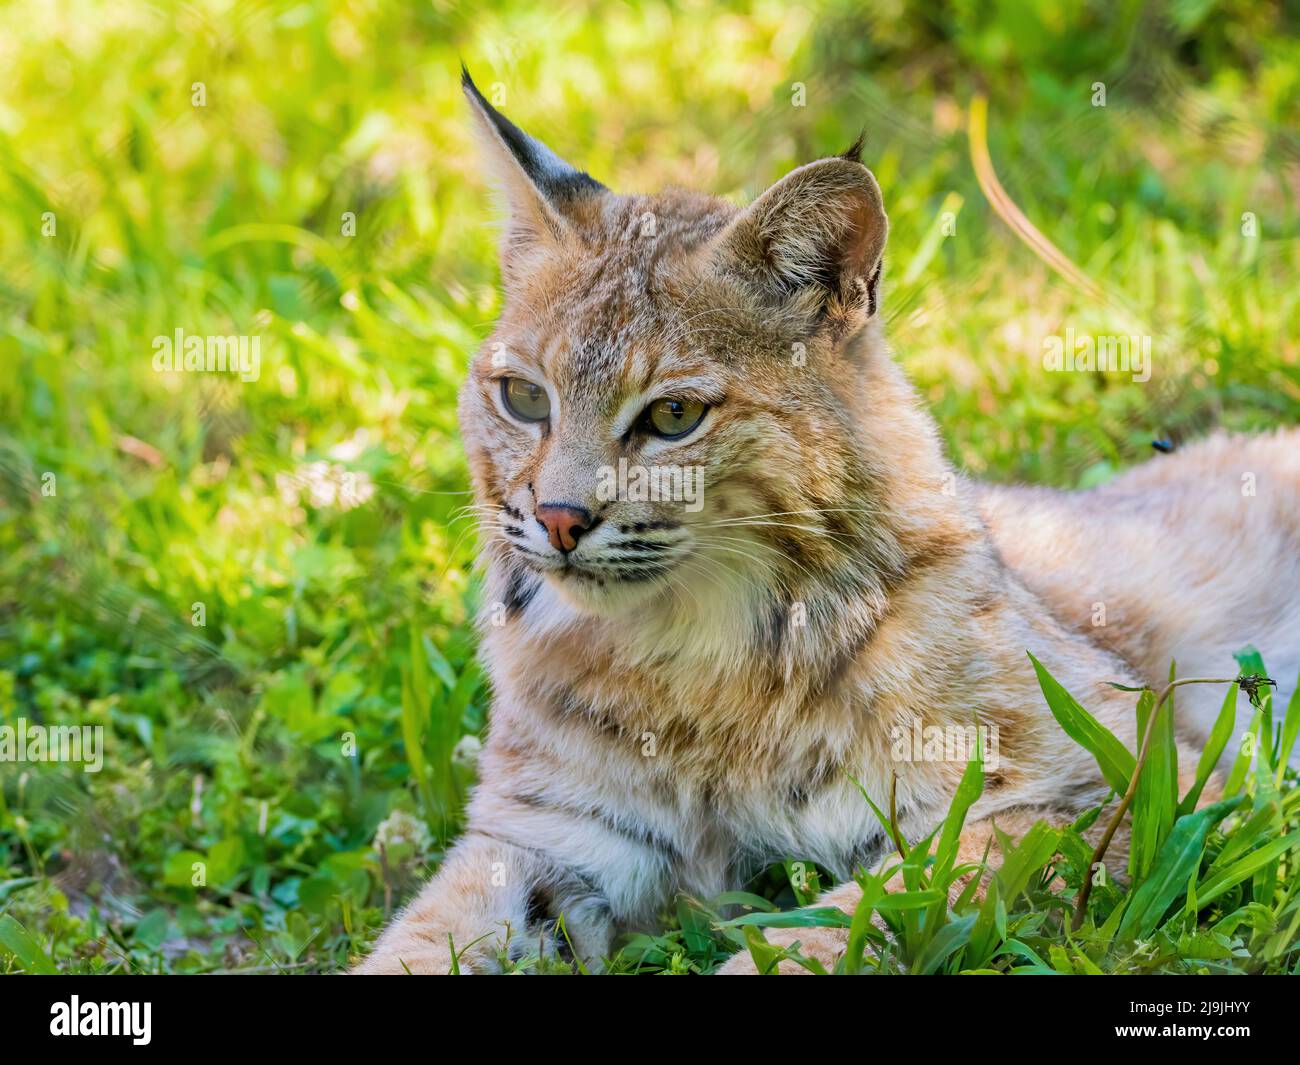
526, 401
671, 418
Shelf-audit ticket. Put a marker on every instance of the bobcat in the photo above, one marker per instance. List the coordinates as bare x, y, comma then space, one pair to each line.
681, 694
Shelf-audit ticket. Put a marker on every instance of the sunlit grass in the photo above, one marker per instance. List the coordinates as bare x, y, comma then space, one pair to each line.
126, 212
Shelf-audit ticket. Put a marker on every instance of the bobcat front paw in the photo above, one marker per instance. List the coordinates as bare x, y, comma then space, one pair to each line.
586, 937
825, 945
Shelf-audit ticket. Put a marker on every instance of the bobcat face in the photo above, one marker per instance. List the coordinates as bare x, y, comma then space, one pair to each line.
597, 428
659, 405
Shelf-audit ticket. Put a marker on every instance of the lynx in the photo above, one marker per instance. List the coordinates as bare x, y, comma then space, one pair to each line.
682, 696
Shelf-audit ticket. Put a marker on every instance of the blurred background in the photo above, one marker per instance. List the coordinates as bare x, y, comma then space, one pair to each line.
262, 590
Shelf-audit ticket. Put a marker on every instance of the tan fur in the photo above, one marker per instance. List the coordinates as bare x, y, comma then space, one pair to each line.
1192, 556
686, 697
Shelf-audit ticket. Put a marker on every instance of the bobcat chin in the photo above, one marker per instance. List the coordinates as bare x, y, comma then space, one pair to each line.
683, 688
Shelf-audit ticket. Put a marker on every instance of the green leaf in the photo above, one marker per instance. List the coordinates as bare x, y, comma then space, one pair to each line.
1179, 858
1115, 760
694, 923
1246, 867
915, 863
909, 900
224, 860
743, 898
1014, 946
1251, 662
439, 664
1261, 822
1241, 764
178, 869
1290, 729
766, 956
946, 942
1156, 798
151, 930
317, 893
416, 705
297, 934
872, 889
984, 933
808, 917
1022, 860
1252, 665
1220, 734
15, 940
803, 882
968, 793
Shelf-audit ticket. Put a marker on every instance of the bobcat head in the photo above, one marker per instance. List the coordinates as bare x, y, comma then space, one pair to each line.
669, 398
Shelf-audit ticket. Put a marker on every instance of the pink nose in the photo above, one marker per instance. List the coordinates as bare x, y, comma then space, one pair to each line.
563, 524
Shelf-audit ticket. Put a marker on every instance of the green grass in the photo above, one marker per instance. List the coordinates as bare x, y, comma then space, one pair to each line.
331, 686
1209, 890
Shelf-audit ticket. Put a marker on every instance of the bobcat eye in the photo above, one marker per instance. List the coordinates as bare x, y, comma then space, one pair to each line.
672, 418
526, 401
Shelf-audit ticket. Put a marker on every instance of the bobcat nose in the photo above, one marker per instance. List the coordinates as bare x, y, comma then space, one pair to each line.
563, 524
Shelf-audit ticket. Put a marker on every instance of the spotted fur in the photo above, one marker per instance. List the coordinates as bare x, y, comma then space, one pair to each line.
686, 696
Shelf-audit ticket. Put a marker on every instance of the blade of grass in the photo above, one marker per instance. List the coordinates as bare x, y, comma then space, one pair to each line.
16, 940
1246, 867
1214, 748
1114, 759
1179, 859
1290, 729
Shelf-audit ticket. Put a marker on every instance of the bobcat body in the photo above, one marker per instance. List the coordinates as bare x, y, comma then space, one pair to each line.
682, 696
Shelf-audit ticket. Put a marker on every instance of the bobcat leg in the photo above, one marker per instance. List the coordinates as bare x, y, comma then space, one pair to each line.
489, 896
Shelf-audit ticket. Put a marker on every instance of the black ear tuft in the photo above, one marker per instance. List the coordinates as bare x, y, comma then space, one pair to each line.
553, 177
854, 152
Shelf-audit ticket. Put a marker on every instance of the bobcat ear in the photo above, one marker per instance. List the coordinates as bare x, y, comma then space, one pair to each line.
540, 187
813, 243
